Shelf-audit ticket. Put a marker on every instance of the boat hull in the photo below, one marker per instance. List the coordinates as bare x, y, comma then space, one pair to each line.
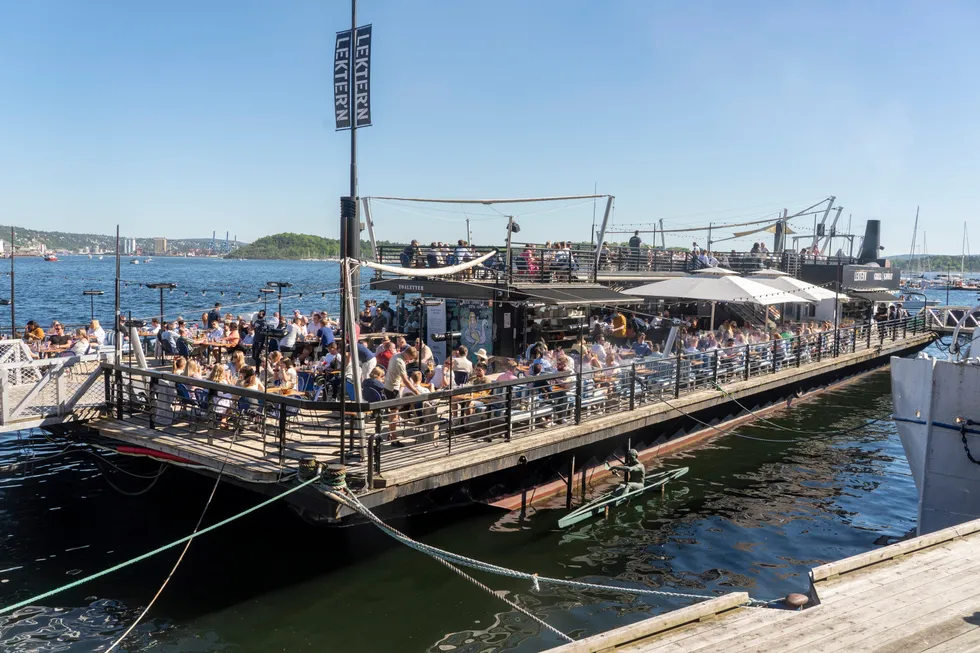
932, 401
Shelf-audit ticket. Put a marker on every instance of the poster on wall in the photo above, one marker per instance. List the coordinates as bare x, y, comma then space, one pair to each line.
474, 319
435, 322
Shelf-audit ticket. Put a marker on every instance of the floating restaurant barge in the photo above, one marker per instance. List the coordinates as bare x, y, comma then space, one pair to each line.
459, 445
442, 454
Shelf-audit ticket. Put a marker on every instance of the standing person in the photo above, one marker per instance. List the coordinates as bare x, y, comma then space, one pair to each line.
214, 315
635, 243
396, 378
618, 330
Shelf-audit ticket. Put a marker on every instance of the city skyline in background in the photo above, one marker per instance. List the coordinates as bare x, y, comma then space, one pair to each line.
175, 121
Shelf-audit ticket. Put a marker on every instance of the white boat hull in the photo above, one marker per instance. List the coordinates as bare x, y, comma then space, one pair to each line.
932, 401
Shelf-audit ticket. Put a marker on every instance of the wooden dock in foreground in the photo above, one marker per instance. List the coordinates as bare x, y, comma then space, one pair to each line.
920, 595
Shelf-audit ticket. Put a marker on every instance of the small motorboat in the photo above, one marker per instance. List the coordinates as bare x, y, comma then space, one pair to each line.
134, 261
50, 257
100, 258
4, 302
90, 256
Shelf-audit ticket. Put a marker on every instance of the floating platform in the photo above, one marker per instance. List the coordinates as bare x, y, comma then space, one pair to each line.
507, 448
917, 596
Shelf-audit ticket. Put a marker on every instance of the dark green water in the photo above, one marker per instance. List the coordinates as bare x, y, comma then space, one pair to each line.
750, 515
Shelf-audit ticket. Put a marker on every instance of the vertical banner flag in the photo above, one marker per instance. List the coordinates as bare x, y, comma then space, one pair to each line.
356, 70
435, 322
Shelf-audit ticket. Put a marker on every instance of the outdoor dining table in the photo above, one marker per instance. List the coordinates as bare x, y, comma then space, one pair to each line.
213, 345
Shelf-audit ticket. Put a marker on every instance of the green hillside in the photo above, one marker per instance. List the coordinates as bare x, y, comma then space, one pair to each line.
289, 246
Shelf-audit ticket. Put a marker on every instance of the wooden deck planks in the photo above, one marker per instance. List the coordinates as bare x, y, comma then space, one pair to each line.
918, 596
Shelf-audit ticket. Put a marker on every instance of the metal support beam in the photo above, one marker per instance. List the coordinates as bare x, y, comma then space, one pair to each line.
602, 234
571, 482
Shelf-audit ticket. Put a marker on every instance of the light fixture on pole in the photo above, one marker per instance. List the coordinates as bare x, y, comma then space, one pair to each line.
279, 285
92, 294
162, 285
265, 297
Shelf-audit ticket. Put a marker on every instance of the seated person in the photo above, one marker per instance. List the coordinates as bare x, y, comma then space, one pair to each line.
373, 387
58, 339
641, 347
81, 345
33, 332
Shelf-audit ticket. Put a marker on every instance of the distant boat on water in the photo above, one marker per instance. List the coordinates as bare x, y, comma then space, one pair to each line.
50, 257
134, 261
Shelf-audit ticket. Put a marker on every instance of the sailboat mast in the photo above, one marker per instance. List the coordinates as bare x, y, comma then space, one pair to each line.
915, 231
925, 252
963, 251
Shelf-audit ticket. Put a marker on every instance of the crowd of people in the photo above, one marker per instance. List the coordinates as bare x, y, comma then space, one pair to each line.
62, 341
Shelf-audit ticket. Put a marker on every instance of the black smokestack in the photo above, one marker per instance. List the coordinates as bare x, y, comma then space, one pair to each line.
872, 242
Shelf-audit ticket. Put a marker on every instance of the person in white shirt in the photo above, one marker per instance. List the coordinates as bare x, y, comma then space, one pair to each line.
96, 333
460, 362
599, 348
293, 331
462, 252
216, 333
442, 375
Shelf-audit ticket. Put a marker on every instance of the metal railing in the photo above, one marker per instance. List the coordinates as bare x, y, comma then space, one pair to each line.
945, 318
44, 390
535, 263
411, 429
277, 431
274, 429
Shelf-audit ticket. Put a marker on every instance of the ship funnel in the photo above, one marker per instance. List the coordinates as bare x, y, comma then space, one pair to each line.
871, 247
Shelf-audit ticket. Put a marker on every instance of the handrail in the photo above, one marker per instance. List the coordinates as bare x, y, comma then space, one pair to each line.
292, 402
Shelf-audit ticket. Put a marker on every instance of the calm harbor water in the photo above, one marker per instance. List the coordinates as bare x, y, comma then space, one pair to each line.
752, 514
49, 290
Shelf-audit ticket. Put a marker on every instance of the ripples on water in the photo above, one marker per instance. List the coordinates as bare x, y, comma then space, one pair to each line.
750, 515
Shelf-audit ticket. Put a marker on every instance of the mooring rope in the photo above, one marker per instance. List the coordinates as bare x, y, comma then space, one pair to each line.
786, 428
353, 503
158, 550
180, 558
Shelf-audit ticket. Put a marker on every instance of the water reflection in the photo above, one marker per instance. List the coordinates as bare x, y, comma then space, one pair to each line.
750, 515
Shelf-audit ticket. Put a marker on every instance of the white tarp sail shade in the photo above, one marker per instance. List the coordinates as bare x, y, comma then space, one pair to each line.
799, 288
428, 272
715, 272
718, 289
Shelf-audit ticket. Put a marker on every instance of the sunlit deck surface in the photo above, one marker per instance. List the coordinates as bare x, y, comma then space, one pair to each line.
448, 441
917, 596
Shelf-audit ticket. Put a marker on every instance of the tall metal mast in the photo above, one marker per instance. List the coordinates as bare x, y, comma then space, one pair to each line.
915, 230
963, 252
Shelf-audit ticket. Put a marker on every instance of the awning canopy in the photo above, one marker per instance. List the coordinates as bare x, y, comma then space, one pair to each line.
874, 295
800, 288
575, 295
737, 290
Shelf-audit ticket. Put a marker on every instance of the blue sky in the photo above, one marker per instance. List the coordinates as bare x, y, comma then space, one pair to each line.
182, 117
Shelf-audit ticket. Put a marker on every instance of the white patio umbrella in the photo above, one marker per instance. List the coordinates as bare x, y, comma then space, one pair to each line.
797, 287
714, 289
